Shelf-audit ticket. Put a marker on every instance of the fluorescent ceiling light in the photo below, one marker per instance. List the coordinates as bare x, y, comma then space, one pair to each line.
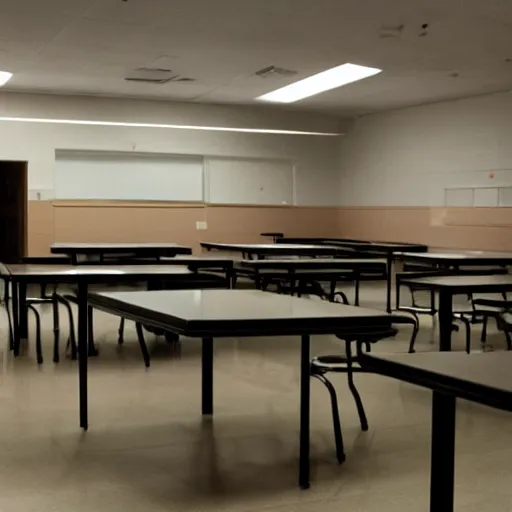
5, 76
173, 126
321, 82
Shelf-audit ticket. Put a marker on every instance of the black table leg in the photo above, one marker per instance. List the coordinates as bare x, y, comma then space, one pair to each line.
23, 311
389, 271
445, 320
304, 412
357, 277
442, 453
83, 313
15, 317
207, 376
92, 351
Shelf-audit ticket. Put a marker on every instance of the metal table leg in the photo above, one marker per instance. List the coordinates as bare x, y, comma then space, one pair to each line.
445, 320
83, 314
389, 271
23, 312
304, 412
207, 376
442, 453
15, 317
357, 276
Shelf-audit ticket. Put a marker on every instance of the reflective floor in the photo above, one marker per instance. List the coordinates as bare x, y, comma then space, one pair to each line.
149, 450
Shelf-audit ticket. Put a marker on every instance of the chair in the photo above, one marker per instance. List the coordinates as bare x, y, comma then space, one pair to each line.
504, 321
31, 302
499, 309
348, 363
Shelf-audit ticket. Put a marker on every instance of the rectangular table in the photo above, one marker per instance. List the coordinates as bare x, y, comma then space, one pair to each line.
154, 250
210, 314
317, 268
82, 276
278, 250
451, 259
482, 378
448, 286
363, 247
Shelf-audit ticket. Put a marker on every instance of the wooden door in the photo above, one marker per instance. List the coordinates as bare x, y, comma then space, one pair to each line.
13, 211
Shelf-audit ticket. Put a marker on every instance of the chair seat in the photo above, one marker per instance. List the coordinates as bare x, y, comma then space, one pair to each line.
332, 363
368, 336
505, 322
420, 310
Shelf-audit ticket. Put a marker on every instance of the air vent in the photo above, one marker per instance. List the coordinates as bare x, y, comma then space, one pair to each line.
274, 70
391, 31
156, 76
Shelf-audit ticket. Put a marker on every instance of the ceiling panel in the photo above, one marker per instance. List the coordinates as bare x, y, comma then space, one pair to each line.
88, 46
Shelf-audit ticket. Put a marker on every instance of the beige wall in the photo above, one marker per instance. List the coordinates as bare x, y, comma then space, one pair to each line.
487, 229
88, 221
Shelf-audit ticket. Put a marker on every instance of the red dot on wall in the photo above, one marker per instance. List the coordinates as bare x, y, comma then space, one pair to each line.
491, 175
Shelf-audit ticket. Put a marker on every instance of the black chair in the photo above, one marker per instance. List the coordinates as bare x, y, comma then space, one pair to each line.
72, 299
500, 311
504, 321
30, 303
348, 363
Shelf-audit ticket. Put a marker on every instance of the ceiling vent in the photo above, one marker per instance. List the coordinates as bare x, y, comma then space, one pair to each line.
156, 76
270, 71
391, 31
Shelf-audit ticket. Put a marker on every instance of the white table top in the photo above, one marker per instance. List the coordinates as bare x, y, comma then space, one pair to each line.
271, 247
471, 256
485, 378
313, 262
92, 270
233, 311
108, 245
458, 281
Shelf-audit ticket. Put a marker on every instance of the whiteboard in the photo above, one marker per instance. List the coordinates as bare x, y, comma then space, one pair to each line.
505, 196
485, 196
249, 181
459, 197
128, 176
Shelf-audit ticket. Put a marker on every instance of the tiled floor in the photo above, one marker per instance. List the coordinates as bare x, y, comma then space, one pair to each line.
149, 450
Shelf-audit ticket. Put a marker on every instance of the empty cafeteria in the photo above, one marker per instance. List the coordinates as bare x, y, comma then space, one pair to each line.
255, 256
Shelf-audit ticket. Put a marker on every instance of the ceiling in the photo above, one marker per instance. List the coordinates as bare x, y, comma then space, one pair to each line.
89, 46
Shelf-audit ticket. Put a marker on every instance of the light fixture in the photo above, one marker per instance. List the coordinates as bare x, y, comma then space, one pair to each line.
5, 76
172, 126
321, 82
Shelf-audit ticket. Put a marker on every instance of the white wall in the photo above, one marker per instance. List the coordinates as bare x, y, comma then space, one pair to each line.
315, 158
408, 157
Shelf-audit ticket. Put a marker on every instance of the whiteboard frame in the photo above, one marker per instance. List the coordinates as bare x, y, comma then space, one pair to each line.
207, 177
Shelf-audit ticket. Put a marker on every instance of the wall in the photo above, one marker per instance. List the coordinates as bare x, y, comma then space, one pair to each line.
315, 158
395, 166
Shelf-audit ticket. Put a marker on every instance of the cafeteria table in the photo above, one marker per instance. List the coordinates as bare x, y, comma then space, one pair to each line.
448, 286
483, 378
82, 276
457, 259
277, 250
211, 314
329, 269
375, 249
101, 251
